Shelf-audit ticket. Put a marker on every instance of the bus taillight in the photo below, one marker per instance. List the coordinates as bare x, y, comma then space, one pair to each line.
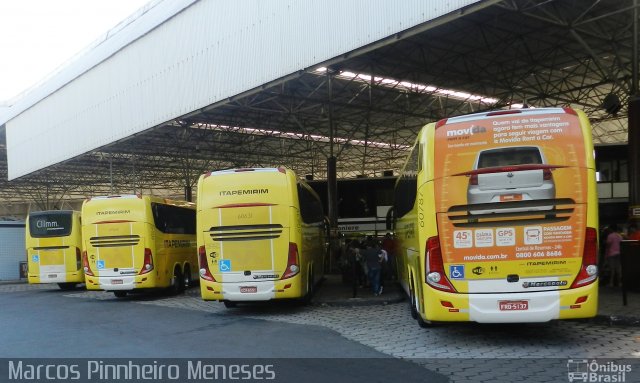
78, 258
589, 268
434, 266
85, 264
148, 262
293, 264
205, 273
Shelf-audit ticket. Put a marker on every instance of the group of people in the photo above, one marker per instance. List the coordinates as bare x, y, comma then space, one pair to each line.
371, 262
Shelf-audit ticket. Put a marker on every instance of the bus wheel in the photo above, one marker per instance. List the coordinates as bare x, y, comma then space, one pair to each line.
176, 281
423, 323
67, 286
307, 298
412, 303
230, 304
120, 293
187, 277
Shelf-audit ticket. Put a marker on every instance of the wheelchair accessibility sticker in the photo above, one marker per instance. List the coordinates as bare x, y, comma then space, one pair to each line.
100, 264
456, 271
224, 265
35, 258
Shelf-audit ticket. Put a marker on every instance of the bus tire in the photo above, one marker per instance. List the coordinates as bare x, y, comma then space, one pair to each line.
67, 286
120, 293
230, 304
310, 290
186, 278
424, 323
412, 302
176, 281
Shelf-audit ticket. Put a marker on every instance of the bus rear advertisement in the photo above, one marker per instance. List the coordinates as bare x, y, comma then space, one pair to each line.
503, 224
54, 245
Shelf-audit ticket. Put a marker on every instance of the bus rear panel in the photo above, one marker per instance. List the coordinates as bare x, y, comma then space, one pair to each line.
507, 218
252, 243
54, 245
130, 244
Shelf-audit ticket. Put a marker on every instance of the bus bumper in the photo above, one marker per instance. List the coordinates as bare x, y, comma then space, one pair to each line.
130, 282
542, 306
251, 291
64, 277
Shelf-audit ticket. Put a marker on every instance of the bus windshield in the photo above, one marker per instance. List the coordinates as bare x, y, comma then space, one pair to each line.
50, 224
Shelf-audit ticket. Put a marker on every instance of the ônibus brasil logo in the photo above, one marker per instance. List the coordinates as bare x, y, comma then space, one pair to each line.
583, 370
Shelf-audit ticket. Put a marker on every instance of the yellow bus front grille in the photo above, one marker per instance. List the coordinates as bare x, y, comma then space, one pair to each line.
115, 240
245, 232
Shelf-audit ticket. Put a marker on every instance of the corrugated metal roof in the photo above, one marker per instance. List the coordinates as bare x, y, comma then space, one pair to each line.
180, 56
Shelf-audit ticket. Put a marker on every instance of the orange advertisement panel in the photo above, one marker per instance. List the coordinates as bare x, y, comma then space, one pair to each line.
511, 187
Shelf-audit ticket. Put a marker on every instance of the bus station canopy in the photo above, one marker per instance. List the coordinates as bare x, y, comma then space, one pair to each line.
187, 86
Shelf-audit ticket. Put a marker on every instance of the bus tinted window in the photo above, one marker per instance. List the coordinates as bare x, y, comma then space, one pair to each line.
174, 220
405, 195
310, 206
509, 156
50, 224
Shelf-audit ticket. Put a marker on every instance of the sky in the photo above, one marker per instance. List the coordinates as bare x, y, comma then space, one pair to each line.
38, 36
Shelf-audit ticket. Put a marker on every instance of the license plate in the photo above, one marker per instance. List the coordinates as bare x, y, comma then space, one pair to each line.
116, 281
52, 275
513, 305
510, 197
248, 289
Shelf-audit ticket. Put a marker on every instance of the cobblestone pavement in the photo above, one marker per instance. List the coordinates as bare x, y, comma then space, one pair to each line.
467, 352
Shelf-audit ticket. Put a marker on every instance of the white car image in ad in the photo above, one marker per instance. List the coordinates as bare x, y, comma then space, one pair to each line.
516, 173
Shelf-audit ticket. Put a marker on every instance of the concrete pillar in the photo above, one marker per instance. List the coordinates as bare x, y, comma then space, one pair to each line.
634, 150
332, 192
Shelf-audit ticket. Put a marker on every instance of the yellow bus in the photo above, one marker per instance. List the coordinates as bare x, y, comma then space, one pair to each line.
136, 242
496, 218
260, 236
54, 245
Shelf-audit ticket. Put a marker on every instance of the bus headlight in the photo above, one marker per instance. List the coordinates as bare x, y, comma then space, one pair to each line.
434, 277
592, 270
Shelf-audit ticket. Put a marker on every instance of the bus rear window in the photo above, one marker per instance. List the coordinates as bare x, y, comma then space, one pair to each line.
50, 224
509, 156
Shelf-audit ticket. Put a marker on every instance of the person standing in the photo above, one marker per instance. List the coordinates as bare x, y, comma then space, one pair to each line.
612, 254
389, 245
384, 266
371, 257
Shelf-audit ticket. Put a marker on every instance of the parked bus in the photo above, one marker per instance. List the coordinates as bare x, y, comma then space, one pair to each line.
136, 242
54, 245
496, 216
260, 236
